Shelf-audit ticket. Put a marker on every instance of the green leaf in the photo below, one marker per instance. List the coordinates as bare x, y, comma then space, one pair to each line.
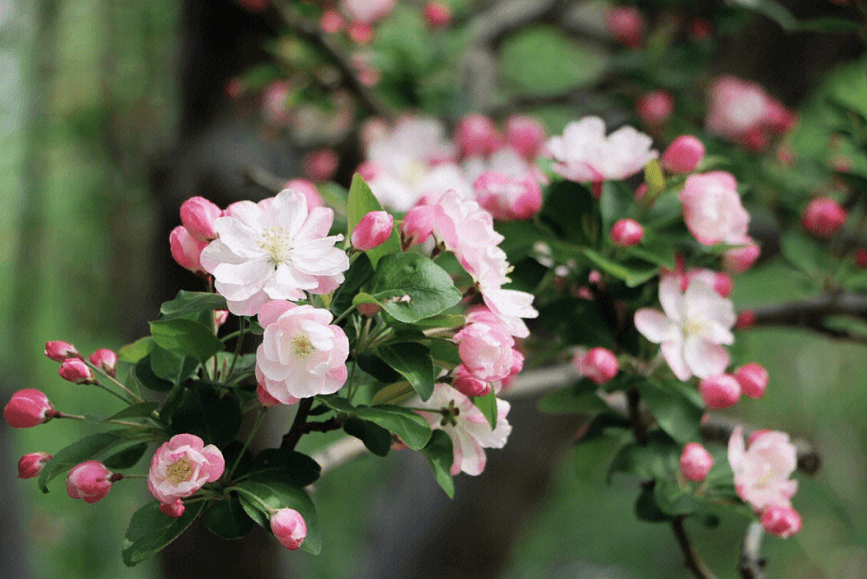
359, 272
145, 376
488, 405
142, 409
788, 22
186, 337
579, 398
440, 456
376, 438
658, 457
413, 362
168, 366
633, 271
654, 249
261, 493
444, 351
442, 321
88, 448
412, 429
150, 531
577, 321
187, 303
292, 466
571, 213
617, 202
227, 519
655, 179
674, 500
361, 202
411, 287
805, 253
199, 410
646, 508
134, 352
126, 458
677, 414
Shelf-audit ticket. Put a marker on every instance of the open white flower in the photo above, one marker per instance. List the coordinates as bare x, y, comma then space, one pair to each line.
275, 249
692, 328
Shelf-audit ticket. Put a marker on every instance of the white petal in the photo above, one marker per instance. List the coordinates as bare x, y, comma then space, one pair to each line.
655, 326
673, 353
705, 358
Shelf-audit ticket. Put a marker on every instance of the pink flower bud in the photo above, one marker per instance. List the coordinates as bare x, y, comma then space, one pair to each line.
89, 480
655, 108
723, 284
781, 520
720, 391
289, 527
220, 317
308, 189
76, 371
372, 231
700, 28
598, 364
27, 408
186, 249
30, 465
417, 225
753, 379
683, 155
756, 435
437, 14
265, 399
476, 136
320, 165
695, 462
740, 259
755, 139
60, 351
823, 217
861, 257
174, 510
641, 191
626, 233
524, 134
626, 24
331, 22
468, 384
198, 216
105, 359
746, 319
360, 32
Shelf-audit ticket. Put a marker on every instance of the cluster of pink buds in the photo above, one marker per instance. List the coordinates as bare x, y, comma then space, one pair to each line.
724, 390
188, 240
74, 368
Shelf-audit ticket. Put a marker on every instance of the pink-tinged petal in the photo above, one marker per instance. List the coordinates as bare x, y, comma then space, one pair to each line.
273, 309
326, 284
216, 464
673, 354
317, 225
472, 454
655, 326
189, 440
705, 358
736, 448
246, 307
289, 210
252, 272
671, 298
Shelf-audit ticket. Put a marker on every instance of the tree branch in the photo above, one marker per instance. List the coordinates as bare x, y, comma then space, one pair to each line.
693, 561
752, 565
811, 313
290, 440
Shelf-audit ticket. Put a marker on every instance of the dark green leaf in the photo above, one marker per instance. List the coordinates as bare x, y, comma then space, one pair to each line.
571, 213
144, 374
186, 337
139, 410
633, 271
413, 362
199, 410
577, 321
88, 448
150, 531
617, 202
657, 458
126, 458
411, 287
359, 272
579, 398
292, 466
444, 351
261, 493
677, 414
171, 367
674, 500
376, 367
804, 253
488, 405
646, 508
412, 429
187, 303
440, 457
227, 519
375, 438
361, 202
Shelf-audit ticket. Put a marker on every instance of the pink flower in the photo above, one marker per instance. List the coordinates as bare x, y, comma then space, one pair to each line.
369, 11
781, 520
692, 328
360, 33
746, 319
174, 510
761, 472
254, 5
712, 209
861, 257
584, 154
720, 391
476, 136
467, 384
308, 189
75, 370
301, 355
485, 351
181, 466
525, 135
28, 407
372, 231
105, 359
274, 106
753, 379
823, 217
331, 22
437, 14
417, 225
90, 481
508, 198
465, 424
275, 249
60, 351
30, 465
683, 155
655, 108
626, 233
186, 249
198, 215
735, 107
740, 259
695, 462
320, 164
626, 24
289, 527
598, 364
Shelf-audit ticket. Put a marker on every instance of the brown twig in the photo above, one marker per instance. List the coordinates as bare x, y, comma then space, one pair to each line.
752, 564
291, 438
693, 561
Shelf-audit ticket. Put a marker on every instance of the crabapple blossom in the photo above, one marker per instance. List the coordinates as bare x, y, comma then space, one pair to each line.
753, 379
360, 33
77, 371
600, 365
289, 527
437, 14
746, 319
626, 233
683, 155
28, 407
308, 189
275, 249
524, 134
274, 107
720, 391
476, 136
60, 351
762, 471
655, 108
320, 164
417, 225
485, 351
740, 259
712, 209
220, 317
331, 22
695, 462
372, 231
823, 217
369, 11
90, 481
186, 249
861, 257
30, 465
626, 24
105, 359
735, 107
181, 466
301, 354
584, 154
468, 384
198, 215
455, 414
508, 198
781, 520
174, 510
692, 328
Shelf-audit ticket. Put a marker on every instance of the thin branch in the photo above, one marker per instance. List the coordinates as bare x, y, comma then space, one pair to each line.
693, 561
752, 565
291, 438
810, 314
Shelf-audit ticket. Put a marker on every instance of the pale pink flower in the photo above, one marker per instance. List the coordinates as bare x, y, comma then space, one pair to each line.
692, 328
186, 249
471, 433
89, 480
181, 466
735, 107
320, 164
762, 471
368, 11
301, 354
695, 462
30, 465
289, 527
274, 250
198, 215
509, 198
485, 351
712, 209
584, 154
306, 188
525, 135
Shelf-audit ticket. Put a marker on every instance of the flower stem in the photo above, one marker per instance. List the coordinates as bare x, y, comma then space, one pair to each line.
693, 561
253, 431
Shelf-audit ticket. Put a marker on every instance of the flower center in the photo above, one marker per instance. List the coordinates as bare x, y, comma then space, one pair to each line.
412, 172
302, 346
692, 327
180, 471
450, 414
277, 243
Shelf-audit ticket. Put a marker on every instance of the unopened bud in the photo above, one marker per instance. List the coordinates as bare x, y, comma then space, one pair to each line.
683, 155
27, 408
289, 527
781, 520
720, 391
186, 249
746, 319
626, 233
626, 24
105, 359
417, 225
437, 14
75, 370
89, 480
823, 217
695, 462
524, 134
174, 510
60, 351
600, 365
198, 216
372, 231
753, 379
476, 136
30, 465
655, 108
740, 259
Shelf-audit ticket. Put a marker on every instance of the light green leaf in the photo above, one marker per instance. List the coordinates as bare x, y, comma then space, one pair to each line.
440, 457
261, 494
186, 337
187, 303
